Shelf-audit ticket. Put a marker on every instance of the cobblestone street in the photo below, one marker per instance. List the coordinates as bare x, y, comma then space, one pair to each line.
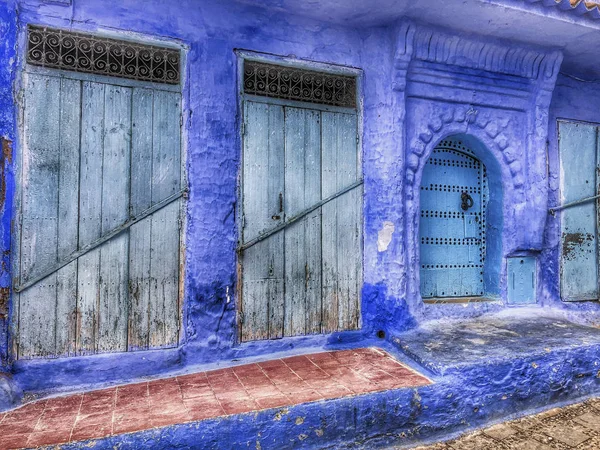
572, 427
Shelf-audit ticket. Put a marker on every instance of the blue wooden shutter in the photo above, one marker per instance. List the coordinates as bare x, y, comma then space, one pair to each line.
305, 278
578, 147
96, 153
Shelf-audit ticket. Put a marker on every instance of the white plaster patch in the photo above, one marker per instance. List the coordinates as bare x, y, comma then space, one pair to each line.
477, 341
384, 236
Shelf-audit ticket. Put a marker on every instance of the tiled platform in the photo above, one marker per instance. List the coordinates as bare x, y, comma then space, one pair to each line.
198, 396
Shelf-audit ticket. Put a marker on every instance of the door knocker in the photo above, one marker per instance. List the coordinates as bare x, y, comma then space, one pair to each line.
467, 201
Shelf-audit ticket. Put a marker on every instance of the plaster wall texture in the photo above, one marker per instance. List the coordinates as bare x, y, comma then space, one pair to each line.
8, 26
502, 108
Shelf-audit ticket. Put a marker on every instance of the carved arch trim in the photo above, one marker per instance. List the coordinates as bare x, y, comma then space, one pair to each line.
459, 120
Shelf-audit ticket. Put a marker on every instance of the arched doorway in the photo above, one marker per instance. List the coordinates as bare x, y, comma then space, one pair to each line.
452, 229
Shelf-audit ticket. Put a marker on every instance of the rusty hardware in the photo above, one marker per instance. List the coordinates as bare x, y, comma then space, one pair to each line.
297, 217
466, 201
278, 216
553, 210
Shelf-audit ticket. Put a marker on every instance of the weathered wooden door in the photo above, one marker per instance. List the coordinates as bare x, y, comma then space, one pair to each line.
99, 228
452, 224
301, 234
579, 166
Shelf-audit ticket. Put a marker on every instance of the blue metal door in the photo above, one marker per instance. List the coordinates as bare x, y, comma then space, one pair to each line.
452, 224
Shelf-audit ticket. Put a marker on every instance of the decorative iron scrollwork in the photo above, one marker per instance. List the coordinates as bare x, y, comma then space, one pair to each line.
79, 52
292, 83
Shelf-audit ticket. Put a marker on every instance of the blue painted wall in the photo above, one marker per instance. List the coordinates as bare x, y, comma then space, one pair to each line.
8, 38
403, 119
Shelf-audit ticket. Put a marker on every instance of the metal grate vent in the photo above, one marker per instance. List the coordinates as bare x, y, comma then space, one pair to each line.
60, 49
291, 83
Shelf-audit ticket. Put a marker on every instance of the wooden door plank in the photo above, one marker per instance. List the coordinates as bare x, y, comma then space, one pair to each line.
302, 239
68, 215
262, 168
342, 224
262, 264
295, 258
577, 153
37, 333
113, 310
257, 206
273, 257
164, 276
312, 223
166, 171
329, 222
348, 224
140, 242
90, 214
166, 180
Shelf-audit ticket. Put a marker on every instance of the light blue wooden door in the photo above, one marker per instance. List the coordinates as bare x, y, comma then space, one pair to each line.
97, 153
578, 149
306, 277
452, 223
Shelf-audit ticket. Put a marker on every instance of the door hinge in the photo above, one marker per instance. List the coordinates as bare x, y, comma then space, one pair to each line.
357, 139
243, 128
243, 220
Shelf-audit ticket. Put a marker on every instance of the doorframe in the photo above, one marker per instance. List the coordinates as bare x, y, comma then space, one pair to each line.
241, 55
22, 69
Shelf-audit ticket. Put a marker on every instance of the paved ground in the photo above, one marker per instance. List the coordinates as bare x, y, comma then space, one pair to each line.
203, 395
571, 427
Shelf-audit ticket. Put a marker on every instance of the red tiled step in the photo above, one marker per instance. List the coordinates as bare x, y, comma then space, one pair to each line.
203, 395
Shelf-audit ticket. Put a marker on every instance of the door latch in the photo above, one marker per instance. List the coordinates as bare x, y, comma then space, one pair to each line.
278, 216
466, 201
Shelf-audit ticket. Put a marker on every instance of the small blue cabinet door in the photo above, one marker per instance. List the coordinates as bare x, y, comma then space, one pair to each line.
521, 280
452, 223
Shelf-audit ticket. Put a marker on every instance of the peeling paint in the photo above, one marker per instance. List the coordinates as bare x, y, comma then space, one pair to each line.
282, 412
573, 243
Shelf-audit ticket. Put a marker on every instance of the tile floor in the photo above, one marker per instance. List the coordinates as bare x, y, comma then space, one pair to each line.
198, 396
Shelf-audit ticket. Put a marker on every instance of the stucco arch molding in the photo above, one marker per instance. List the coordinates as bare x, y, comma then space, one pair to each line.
464, 120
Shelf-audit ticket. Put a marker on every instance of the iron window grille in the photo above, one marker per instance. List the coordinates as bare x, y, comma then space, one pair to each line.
291, 83
79, 52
